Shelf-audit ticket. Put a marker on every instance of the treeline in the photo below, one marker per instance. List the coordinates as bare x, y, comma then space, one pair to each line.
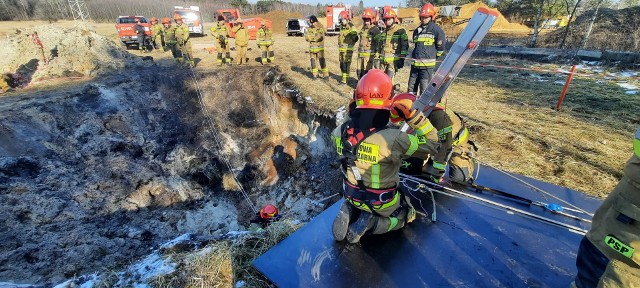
108, 10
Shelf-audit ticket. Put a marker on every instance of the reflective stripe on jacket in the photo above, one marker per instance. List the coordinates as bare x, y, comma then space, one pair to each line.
429, 43
394, 43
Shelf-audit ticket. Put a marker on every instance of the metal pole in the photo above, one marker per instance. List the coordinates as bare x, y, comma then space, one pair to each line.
566, 87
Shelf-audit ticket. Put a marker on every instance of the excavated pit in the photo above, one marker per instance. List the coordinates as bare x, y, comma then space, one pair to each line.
96, 175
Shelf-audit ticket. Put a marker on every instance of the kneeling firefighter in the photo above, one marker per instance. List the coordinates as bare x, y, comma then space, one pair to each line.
371, 156
455, 147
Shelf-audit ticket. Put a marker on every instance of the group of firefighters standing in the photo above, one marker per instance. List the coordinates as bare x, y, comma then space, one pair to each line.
176, 39
382, 47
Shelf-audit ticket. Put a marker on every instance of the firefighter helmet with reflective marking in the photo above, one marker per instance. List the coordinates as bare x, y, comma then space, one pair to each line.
166, 20
344, 15
389, 14
268, 211
395, 118
374, 90
428, 10
368, 14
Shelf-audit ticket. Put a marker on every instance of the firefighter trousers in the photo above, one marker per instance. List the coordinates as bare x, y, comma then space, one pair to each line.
319, 58
223, 48
185, 50
242, 55
267, 53
345, 58
157, 42
364, 64
419, 78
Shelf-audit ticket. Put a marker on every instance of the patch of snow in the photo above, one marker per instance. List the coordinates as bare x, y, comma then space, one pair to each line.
628, 74
143, 271
240, 284
309, 99
232, 234
627, 86
340, 114
559, 82
84, 281
631, 92
179, 239
539, 78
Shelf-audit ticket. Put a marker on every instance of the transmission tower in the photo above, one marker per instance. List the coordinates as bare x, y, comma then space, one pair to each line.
79, 10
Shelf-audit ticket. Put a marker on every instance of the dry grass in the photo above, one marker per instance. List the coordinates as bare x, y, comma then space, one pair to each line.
224, 263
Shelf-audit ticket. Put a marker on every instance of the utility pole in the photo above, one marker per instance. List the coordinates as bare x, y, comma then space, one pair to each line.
79, 10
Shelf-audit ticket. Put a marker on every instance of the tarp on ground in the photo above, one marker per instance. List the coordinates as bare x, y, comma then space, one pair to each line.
470, 245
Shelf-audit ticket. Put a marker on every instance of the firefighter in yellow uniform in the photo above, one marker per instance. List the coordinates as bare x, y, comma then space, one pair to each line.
221, 33
394, 44
346, 41
158, 33
265, 42
609, 255
315, 37
169, 33
242, 41
456, 150
369, 41
371, 156
183, 43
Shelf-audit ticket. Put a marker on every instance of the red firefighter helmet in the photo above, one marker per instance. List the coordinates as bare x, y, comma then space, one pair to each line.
395, 118
166, 20
389, 13
153, 19
177, 17
268, 211
344, 15
374, 90
368, 14
428, 10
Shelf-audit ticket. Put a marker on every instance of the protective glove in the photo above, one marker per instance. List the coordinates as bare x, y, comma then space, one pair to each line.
399, 63
221, 39
402, 108
435, 174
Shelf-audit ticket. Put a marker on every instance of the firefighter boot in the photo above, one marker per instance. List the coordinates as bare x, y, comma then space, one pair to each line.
341, 223
365, 222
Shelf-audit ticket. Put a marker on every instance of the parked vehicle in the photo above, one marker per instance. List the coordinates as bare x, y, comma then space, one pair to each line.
297, 27
252, 24
191, 17
333, 19
128, 37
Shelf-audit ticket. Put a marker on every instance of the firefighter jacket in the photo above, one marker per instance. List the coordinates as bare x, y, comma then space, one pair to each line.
220, 32
347, 38
138, 29
182, 33
264, 36
451, 132
169, 34
379, 159
394, 44
157, 29
369, 40
429, 42
242, 35
616, 223
315, 37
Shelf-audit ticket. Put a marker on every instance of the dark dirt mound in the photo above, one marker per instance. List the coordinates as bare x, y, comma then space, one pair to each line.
613, 30
94, 176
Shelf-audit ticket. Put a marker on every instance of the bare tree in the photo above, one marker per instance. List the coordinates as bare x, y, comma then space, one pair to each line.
566, 31
536, 24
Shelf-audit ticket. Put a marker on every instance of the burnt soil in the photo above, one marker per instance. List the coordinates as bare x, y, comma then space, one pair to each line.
95, 175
